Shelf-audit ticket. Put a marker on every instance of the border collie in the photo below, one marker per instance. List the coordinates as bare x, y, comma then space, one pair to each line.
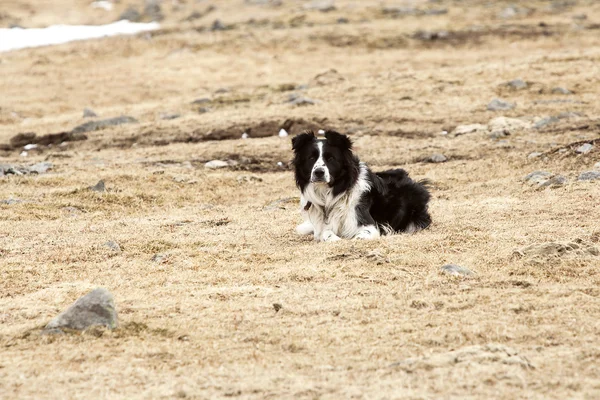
342, 198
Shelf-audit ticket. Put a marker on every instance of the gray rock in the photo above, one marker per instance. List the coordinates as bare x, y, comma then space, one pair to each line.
131, 14
40, 168
555, 181
203, 100
456, 270
321, 5
218, 26
203, 110
215, 164
584, 148
343, 20
534, 154
160, 258
500, 105
437, 158
153, 11
96, 308
114, 246
222, 90
561, 90
544, 122
11, 201
568, 115
169, 116
89, 113
517, 84
538, 177
103, 123
589, 176
98, 187
302, 101
466, 129
597, 166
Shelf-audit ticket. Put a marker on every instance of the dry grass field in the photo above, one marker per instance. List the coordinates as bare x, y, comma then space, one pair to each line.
205, 254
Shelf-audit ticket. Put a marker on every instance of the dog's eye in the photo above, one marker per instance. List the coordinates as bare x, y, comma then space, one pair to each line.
329, 158
312, 158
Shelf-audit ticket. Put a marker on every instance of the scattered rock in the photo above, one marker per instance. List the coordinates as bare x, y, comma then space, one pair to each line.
103, 123
503, 126
202, 100
11, 201
589, 175
248, 179
203, 110
215, 164
152, 10
89, 113
500, 105
436, 158
456, 270
485, 354
538, 177
597, 166
302, 101
96, 308
578, 247
321, 5
542, 123
329, 77
466, 129
277, 307
114, 246
218, 26
517, 84
131, 14
554, 182
508, 13
561, 90
584, 148
431, 35
169, 116
160, 258
222, 90
39, 168
343, 20
534, 154
98, 187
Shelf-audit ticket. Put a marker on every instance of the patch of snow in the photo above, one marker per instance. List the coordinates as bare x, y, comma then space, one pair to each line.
19, 38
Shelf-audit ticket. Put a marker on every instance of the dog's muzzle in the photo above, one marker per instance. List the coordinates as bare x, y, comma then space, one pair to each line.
318, 175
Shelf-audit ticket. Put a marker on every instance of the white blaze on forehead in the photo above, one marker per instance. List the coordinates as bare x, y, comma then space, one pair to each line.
320, 163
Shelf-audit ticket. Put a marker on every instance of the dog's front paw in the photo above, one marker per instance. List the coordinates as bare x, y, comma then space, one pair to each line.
305, 228
367, 233
329, 236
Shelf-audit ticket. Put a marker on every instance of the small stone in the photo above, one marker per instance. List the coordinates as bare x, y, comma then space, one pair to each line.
131, 14
584, 148
114, 246
444, 133
280, 164
508, 125
215, 164
321, 5
437, 158
203, 110
555, 181
597, 166
98, 187
535, 154
104, 123
96, 308
589, 176
245, 135
456, 270
89, 113
277, 307
500, 105
283, 133
11, 201
508, 13
24, 154
153, 11
545, 122
342, 20
538, 177
302, 101
160, 258
517, 84
561, 90
202, 100
169, 116
40, 168
217, 26
248, 178
466, 129
221, 90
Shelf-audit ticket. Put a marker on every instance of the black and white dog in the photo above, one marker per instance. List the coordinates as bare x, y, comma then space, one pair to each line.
342, 198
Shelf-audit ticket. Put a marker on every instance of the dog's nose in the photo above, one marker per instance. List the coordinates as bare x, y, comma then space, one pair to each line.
319, 173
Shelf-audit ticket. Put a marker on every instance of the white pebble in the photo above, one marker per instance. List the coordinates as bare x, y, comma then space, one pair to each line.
280, 164
103, 4
321, 132
23, 154
245, 135
30, 146
444, 132
283, 133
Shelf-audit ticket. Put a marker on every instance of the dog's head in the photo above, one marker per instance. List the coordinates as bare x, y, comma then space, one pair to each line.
326, 161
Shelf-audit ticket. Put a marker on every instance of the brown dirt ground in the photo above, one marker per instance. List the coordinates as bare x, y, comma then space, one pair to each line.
359, 319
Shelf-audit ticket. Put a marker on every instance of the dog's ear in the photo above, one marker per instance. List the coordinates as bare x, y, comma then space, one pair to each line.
338, 140
301, 140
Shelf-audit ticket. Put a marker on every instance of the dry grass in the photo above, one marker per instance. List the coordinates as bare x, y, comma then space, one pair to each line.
199, 321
